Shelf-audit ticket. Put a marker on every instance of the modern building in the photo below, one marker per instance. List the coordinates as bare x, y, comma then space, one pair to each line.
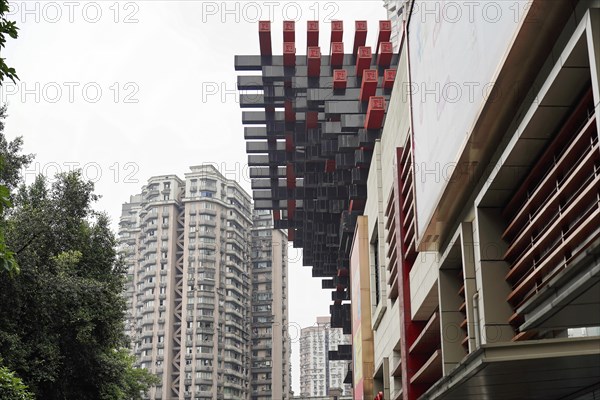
471, 269
270, 367
310, 147
319, 375
187, 246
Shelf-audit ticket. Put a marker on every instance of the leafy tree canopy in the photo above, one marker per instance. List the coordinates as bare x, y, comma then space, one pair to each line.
12, 387
62, 315
11, 164
7, 28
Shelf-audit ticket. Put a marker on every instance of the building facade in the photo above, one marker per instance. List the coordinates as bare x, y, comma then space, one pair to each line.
187, 247
319, 375
469, 269
310, 145
271, 351
473, 243
395, 13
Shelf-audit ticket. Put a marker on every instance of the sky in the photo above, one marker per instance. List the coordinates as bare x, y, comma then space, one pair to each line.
132, 89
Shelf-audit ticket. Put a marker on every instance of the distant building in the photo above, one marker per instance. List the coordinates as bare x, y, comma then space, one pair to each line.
320, 376
271, 368
190, 295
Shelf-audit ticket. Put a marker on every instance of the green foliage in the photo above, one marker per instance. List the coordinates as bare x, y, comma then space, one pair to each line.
12, 387
11, 163
129, 383
62, 315
6, 28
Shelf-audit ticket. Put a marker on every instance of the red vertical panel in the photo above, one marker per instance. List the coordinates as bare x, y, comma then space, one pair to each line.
289, 31
363, 60
290, 115
360, 35
329, 165
314, 61
340, 78
289, 142
389, 76
409, 329
337, 31
264, 37
384, 58
312, 33
385, 33
312, 119
368, 86
290, 175
289, 54
375, 113
337, 54
291, 209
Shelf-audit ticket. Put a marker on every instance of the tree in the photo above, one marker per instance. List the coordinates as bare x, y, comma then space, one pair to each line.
62, 315
12, 387
6, 28
11, 164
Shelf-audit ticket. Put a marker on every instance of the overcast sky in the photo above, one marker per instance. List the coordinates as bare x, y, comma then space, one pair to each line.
129, 90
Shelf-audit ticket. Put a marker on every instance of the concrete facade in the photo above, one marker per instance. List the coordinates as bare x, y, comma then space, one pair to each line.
459, 296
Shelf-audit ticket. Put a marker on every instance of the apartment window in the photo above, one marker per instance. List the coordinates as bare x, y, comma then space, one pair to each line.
166, 197
167, 185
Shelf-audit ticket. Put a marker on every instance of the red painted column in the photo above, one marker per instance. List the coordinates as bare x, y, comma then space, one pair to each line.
360, 35
389, 76
368, 86
385, 33
375, 113
312, 33
313, 55
340, 78
289, 54
337, 54
363, 60
409, 329
337, 31
264, 37
384, 58
289, 31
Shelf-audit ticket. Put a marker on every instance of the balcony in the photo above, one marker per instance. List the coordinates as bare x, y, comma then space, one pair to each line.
553, 220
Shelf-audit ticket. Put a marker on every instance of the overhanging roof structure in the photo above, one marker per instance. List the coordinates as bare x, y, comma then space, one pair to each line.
311, 136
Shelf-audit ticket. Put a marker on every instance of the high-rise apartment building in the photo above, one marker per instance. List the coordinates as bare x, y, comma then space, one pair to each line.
270, 368
319, 375
187, 246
